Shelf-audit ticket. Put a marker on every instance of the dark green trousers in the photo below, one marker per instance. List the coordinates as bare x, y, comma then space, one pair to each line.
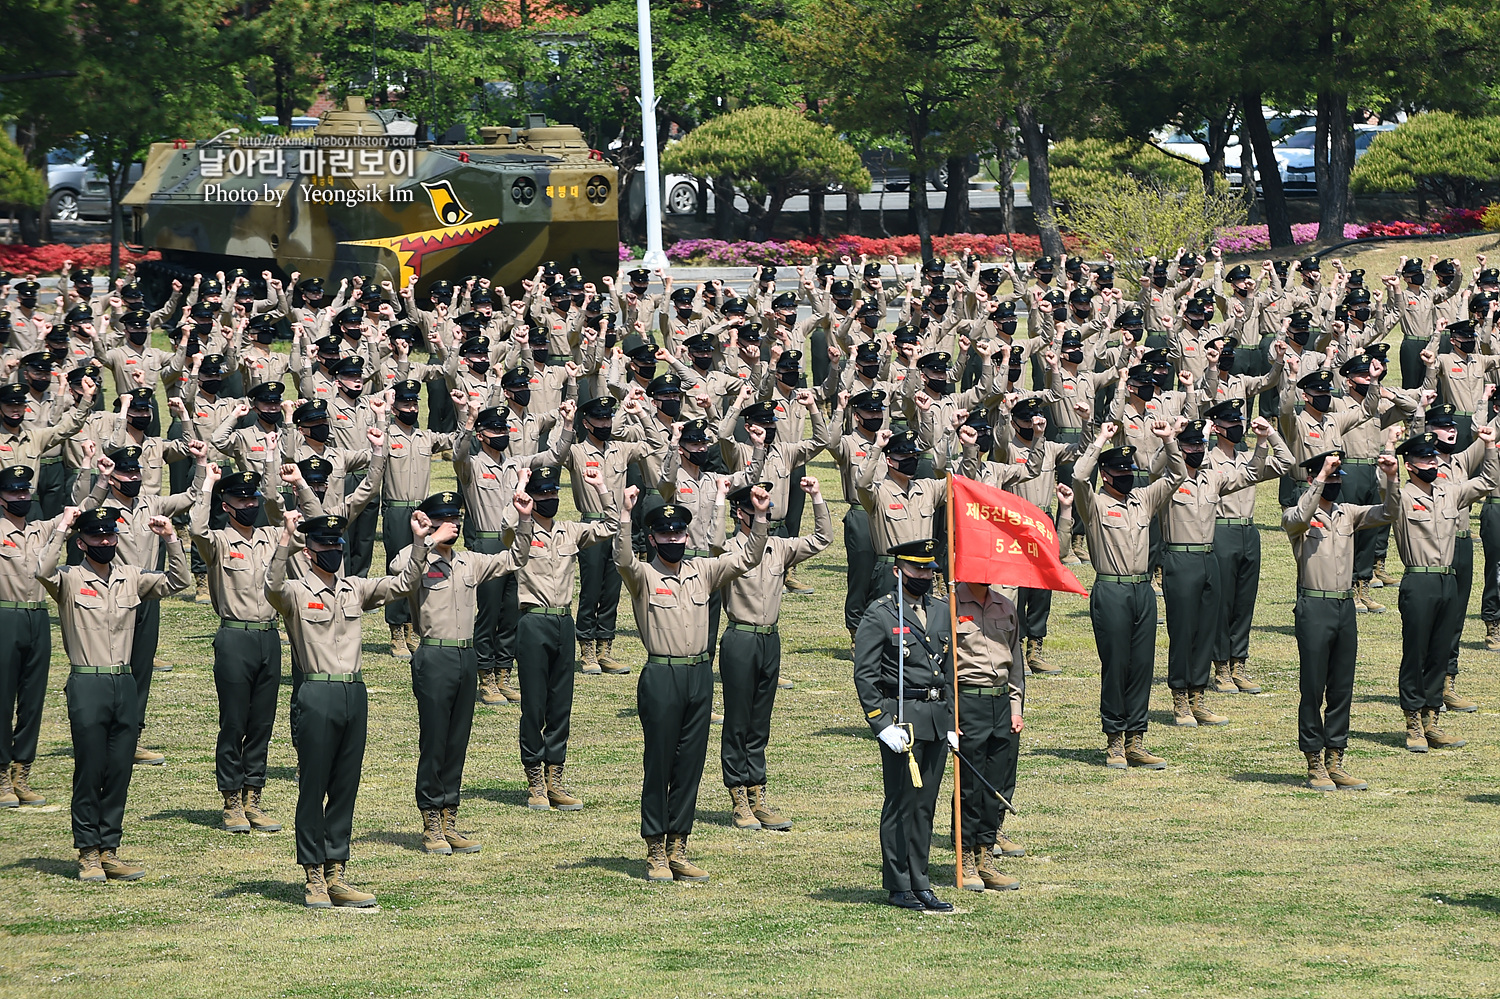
1124, 620
143, 653
360, 537
882, 579
51, 492
749, 666
1290, 491
598, 594
247, 676
496, 613
395, 534
859, 553
796, 501
988, 743
25, 653
443, 681
545, 652
673, 704
1362, 487
102, 716
1413, 370
1463, 575
1426, 602
1327, 645
330, 756
1489, 537
1033, 607
906, 815
1237, 550
1190, 590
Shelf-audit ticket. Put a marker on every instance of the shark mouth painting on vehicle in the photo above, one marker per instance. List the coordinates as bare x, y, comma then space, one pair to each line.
413, 246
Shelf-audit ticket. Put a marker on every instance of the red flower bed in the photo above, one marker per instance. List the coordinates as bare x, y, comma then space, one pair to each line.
48, 259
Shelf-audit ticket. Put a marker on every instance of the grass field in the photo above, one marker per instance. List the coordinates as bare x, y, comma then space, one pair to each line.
1220, 875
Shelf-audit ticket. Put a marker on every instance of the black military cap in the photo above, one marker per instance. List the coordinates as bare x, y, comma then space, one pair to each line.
907, 334
1141, 373
638, 275
1106, 275
90, 370
1228, 411
1131, 315
544, 479
1490, 275
694, 432
932, 266
743, 496
1081, 296
701, 343
442, 506
1160, 267
315, 469
736, 306
98, 521
1478, 302
669, 518
1412, 266
601, 407
767, 273
1193, 432
1320, 381
790, 359
403, 331
1357, 277
1238, 272
761, 414
469, 321
481, 297
266, 392
475, 345
825, 270
1308, 264
348, 367
1281, 266
1447, 267
1418, 446
868, 402
213, 364
136, 319
1460, 328
1314, 465
37, 359
923, 552
1359, 364
326, 530
310, 412
872, 270
785, 300
1156, 357
1196, 306
28, 289
351, 316
1377, 351
409, 390
870, 307
16, 478
244, 484
78, 315
1221, 343
262, 321
1027, 409
939, 293
904, 442
57, 335
492, 418
842, 288
1118, 458
682, 296
978, 420
330, 344
667, 384
126, 459
1071, 338
1445, 415
315, 284
1357, 296
1301, 319
1003, 312
515, 378
937, 360
83, 276
1044, 263
138, 398
868, 352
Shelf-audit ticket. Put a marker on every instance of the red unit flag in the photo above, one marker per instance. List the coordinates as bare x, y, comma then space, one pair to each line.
1001, 539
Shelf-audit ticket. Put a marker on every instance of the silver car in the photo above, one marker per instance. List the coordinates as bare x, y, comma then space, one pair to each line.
76, 189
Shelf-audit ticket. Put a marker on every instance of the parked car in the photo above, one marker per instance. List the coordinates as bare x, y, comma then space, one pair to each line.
75, 189
890, 168
1295, 155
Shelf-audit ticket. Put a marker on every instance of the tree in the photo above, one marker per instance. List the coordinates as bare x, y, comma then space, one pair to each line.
21, 184
770, 155
1439, 156
38, 40
1138, 219
1085, 168
281, 42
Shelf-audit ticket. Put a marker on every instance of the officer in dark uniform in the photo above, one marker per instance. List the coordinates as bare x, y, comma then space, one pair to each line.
915, 631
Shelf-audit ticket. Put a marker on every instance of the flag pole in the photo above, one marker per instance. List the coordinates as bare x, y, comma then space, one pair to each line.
958, 815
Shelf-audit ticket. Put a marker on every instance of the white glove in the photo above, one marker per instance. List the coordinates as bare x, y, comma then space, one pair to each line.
894, 737
953, 741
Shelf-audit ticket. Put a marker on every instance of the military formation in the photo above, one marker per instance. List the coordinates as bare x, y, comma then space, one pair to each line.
254, 478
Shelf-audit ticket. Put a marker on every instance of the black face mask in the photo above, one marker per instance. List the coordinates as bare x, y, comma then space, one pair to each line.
1445, 447
916, 587
646, 371
1121, 482
479, 367
1160, 280
1361, 314
139, 422
1144, 391
407, 416
1197, 323
1073, 356
271, 417
1193, 459
1320, 401
603, 433
1234, 433
669, 407
18, 508
546, 507
1226, 360
244, 516
319, 433
671, 551
39, 384
138, 338
1300, 337
907, 465
265, 337
1025, 433
696, 456
211, 386
521, 397
1008, 327
497, 441
770, 436
352, 393
1331, 490
1428, 475
539, 357
1416, 279
703, 363
1464, 344
872, 423
985, 443
328, 561
102, 554
938, 308
13, 421
870, 371
937, 386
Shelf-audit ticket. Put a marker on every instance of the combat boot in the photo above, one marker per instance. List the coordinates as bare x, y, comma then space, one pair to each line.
1416, 739
657, 868
119, 870
1359, 598
1005, 846
1317, 773
795, 585
160, 665
315, 894
1333, 759
201, 596
682, 868
1241, 677
1198, 701
341, 892
1137, 755
768, 817
783, 682
607, 661
588, 651
489, 689
1182, 710
433, 840
1156, 580
502, 683
88, 866
20, 783
742, 816
1036, 662
851, 644
8, 796
1492, 636
971, 879
255, 813
1381, 576
234, 813
1436, 737
992, 878
1081, 547
1362, 597
398, 642
457, 840
144, 756
1114, 752
1452, 700
536, 783
558, 795
1222, 682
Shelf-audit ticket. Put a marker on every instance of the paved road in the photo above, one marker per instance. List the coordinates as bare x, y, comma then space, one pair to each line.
896, 201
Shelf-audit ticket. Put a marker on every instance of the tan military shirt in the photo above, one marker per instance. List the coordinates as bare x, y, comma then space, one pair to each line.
1367, 439
987, 644
444, 603
138, 545
754, 597
97, 612
1323, 540
1119, 530
612, 460
782, 458
409, 454
26, 444
1308, 434
248, 446
852, 452
19, 549
546, 580
899, 514
1462, 379
1427, 524
237, 565
126, 360
1189, 517
1240, 503
699, 494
